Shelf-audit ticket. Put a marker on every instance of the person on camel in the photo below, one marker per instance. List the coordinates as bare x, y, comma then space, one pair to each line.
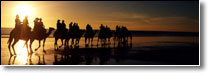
17, 22
63, 26
26, 23
37, 28
36, 24
25, 27
42, 27
58, 25
102, 28
88, 28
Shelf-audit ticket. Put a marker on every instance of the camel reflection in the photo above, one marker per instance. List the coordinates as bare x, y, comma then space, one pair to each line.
90, 56
16, 60
43, 60
77, 56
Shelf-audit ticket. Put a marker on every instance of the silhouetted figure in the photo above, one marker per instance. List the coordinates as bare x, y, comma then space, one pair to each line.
17, 22
60, 33
101, 34
121, 35
69, 34
58, 25
25, 27
63, 26
104, 34
42, 27
77, 34
39, 33
89, 34
17, 34
109, 34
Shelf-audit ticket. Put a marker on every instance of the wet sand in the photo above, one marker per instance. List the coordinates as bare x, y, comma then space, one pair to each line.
144, 51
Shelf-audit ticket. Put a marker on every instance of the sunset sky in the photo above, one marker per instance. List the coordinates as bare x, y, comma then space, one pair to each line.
135, 15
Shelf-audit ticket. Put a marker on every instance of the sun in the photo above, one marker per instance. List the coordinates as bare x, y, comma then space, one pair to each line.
23, 10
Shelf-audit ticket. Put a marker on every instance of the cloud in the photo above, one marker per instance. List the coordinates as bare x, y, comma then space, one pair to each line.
141, 21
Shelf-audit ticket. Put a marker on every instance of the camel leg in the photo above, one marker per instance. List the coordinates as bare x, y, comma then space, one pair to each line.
9, 48
31, 41
9, 60
77, 42
15, 41
91, 42
44, 45
55, 44
66, 43
38, 46
61, 43
85, 40
27, 46
72, 42
11, 63
88, 41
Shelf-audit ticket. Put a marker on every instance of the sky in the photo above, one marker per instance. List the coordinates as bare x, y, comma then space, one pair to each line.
135, 15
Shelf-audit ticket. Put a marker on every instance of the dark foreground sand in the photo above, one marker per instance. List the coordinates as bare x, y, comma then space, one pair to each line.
160, 53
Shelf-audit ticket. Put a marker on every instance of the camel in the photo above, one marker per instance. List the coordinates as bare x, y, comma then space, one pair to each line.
39, 38
59, 35
73, 35
89, 36
122, 36
19, 34
77, 36
103, 36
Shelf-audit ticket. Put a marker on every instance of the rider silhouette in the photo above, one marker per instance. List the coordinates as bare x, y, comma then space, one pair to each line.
63, 25
102, 28
25, 23
17, 22
58, 25
70, 26
88, 28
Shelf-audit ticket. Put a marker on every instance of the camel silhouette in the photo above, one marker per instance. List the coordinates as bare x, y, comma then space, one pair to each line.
89, 36
59, 35
77, 36
39, 38
122, 36
17, 35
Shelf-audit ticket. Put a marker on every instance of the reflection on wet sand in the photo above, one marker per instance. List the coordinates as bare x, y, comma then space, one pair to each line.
74, 56
87, 55
159, 52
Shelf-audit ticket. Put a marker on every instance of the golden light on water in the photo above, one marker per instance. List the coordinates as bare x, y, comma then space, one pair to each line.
23, 10
22, 55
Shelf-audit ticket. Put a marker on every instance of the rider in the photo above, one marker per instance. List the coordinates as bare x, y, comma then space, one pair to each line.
25, 27
58, 25
102, 28
63, 27
17, 22
25, 23
70, 25
88, 28
41, 25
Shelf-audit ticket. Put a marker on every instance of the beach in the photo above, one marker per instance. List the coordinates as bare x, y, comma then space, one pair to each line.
152, 50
